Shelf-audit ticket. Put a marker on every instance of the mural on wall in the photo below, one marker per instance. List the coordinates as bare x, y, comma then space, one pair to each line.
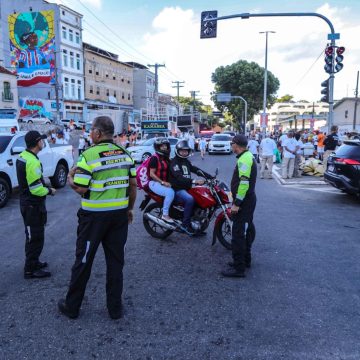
29, 107
32, 47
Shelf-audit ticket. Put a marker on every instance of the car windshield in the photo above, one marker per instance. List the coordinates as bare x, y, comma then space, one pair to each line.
206, 136
4, 142
220, 138
148, 142
349, 151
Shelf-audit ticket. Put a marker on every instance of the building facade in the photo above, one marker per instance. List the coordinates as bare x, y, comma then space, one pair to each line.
344, 114
9, 102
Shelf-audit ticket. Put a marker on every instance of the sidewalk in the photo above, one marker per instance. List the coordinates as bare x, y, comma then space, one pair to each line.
303, 180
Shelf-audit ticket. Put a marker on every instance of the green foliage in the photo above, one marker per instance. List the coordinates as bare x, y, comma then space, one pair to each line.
186, 102
244, 79
285, 98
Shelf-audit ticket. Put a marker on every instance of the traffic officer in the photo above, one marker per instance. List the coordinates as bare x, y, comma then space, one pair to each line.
33, 192
243, 191
105, 179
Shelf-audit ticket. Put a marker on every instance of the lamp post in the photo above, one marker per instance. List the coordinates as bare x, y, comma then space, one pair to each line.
265, 76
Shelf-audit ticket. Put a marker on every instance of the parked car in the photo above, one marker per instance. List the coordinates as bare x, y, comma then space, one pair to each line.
231, 133
141, 152
36, 119
343, 167
56, 161
77, 124
220, 143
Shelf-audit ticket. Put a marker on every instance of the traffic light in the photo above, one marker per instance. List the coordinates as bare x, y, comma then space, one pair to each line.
329, 59
325, 90
208, 26
339, 58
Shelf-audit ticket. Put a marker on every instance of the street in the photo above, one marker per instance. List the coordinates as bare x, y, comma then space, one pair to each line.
300, 299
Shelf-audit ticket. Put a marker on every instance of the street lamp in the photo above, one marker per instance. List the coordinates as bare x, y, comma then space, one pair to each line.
265, 75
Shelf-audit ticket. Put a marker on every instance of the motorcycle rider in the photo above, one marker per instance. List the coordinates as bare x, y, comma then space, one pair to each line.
159, 173
181, 181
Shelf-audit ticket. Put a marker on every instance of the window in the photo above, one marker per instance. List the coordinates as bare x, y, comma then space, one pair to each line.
97, 72
78, 61
90, 70
79, 92
346, 114
72, 88
114, 77
63, 12
19, 142
64, 34
71, 35
7, 91
128, 81
123, 96
97, 90
77, 38
129, 97
107, 92
106, 74
122, 79
114, 94
65, 58
72, 60
91, 89
66, 87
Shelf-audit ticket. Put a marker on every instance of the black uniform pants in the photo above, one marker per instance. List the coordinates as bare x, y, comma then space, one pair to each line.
243, 233
34, 217
109, 228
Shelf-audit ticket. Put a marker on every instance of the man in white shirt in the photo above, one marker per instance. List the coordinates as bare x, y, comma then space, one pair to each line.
267, 148
253, 147
290, 146
299, 153
60, 139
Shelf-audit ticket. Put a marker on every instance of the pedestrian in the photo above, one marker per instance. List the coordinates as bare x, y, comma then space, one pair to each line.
330, 144
320, 147
67, 134
298, 155
33, 192
105, 177
202, 147
81, 146
267, 150
253, 147
191, 141
60, 140
290, 146
243, 191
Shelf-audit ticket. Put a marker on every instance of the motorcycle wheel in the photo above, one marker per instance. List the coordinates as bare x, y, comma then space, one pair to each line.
223, 233
152, 228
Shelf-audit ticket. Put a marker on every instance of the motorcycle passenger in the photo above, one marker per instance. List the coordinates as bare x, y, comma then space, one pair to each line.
181, 181
159, 173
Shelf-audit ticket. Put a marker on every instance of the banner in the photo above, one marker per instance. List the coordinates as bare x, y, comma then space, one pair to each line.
32, 47
154, 125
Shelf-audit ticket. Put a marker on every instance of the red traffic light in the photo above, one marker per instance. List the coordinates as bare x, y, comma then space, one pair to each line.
340, 50
329, 50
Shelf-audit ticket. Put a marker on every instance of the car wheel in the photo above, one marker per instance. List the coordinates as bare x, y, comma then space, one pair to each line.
30, 122
4, 192
48, 123
145, 156
60, 177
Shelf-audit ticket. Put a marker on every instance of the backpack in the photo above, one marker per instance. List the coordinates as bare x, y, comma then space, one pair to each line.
143, 174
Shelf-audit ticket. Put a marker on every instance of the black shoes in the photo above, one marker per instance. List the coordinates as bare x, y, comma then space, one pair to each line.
187, 229
116, 314
41, 265
37, 274
247, 264
233, 273
64, 309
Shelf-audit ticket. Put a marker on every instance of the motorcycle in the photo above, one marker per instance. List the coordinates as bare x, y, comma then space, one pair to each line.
209, 198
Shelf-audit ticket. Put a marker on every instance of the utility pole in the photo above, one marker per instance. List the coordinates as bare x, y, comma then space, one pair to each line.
156, 66
356, 101
57, 121
178, 86
193, 96
265, 77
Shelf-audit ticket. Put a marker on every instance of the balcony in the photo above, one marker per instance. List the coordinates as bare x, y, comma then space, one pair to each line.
7, 96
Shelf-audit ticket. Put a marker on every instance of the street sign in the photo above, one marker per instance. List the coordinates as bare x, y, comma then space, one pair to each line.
264, 120
335, 36
223, 97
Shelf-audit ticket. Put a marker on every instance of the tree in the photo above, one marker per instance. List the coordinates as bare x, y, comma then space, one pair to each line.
186, 102
285, 98
244, 79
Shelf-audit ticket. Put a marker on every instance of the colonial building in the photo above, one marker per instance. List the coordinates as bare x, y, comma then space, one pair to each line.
9, 94
344, 114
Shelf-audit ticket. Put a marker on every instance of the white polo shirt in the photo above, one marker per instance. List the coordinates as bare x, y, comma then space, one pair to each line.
252, 146
291, 144
267, 147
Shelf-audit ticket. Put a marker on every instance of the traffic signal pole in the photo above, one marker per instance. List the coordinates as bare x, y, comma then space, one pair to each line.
212, 21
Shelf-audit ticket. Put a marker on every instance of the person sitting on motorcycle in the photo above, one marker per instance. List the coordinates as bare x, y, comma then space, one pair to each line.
159, 173
181, 181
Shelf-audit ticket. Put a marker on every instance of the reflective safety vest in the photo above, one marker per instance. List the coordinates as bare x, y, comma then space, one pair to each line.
105, 169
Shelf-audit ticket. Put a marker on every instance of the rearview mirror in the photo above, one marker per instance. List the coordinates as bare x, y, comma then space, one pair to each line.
17, 150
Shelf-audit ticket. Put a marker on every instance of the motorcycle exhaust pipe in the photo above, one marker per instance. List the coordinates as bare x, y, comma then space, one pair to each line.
158, 221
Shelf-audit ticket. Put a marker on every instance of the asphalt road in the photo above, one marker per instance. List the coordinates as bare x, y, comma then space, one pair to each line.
299, 301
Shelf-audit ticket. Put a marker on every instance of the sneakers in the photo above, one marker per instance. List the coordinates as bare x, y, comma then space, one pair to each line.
41, 265
37, 274
187, 229
167, 219
233, 273
64, 309
247, 264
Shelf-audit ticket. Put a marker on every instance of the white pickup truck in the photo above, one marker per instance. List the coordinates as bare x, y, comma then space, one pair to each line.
56, 161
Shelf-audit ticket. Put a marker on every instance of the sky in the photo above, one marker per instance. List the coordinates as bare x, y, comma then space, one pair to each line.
168, 32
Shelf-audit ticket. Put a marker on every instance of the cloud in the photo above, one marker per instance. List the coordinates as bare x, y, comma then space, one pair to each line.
293, 49
94, 3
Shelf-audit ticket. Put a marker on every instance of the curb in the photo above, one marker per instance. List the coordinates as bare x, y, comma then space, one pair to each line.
295, 182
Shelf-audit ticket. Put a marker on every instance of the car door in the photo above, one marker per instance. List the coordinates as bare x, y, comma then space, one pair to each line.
20, 144
46, 158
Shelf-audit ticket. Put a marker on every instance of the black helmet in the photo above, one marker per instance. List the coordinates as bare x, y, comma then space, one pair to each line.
159, 142
183, 145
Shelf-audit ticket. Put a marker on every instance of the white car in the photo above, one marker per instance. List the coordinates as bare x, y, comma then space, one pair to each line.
55, 159
77, 124
220, 143
140, 153
36, 119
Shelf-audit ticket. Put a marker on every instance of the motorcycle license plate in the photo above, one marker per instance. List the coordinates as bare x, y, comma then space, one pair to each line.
331, 168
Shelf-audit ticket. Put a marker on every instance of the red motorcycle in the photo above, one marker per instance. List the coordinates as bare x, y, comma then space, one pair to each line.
209, 198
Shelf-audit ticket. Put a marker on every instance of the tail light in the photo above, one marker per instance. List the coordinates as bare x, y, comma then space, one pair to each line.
13, 130
347, 161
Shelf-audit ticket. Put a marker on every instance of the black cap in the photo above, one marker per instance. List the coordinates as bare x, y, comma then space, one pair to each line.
240, 140
32, 138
